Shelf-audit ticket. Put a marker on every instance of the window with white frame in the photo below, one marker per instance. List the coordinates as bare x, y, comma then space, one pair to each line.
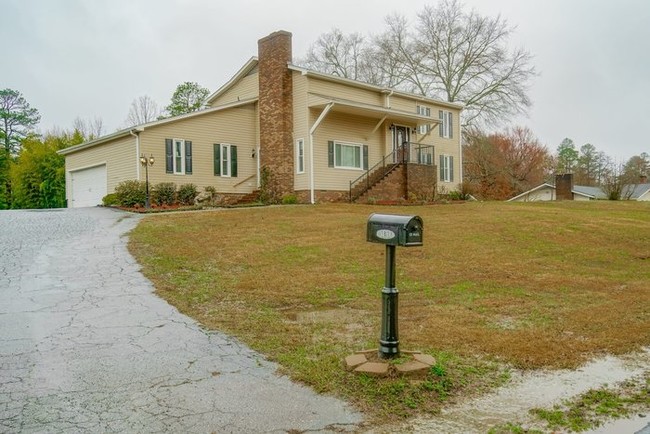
225, 160
446, 168
178, 156
424, 111
347, 155
446, 126
300, 156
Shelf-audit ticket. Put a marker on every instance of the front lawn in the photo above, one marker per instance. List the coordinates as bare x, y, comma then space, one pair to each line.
495, 285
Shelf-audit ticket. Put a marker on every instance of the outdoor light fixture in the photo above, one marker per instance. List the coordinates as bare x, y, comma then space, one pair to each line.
146, 162
253, 153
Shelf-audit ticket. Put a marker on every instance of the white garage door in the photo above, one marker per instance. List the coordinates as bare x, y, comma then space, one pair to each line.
88, 186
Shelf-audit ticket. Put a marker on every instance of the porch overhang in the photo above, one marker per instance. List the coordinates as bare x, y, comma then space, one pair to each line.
382, 114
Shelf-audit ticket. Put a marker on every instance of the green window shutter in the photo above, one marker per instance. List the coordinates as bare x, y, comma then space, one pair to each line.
188, 157
169, 156
217, 159
441, 168
451, 169
365, 157
330, 153
233, 161
441, 118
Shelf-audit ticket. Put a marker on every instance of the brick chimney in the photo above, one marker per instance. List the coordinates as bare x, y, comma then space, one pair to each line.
643, 179
564, 186
276, 110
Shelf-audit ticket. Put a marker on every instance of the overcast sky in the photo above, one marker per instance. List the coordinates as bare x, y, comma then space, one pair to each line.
91, 58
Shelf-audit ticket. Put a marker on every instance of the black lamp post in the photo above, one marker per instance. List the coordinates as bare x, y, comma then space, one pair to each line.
146, 162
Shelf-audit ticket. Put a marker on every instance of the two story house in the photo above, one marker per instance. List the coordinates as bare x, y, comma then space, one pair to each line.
295, 131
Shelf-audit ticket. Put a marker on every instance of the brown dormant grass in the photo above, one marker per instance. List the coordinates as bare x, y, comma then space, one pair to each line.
496, 284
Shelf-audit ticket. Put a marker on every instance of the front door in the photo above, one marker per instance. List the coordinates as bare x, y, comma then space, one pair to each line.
401, 135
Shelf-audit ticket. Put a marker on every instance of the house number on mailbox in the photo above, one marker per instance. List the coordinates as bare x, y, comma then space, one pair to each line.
385, 234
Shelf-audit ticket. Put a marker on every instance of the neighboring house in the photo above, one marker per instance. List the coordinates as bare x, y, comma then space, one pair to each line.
306, 133
639, 192
565, 190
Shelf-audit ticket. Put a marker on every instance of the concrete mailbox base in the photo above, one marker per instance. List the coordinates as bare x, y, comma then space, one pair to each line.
367, 362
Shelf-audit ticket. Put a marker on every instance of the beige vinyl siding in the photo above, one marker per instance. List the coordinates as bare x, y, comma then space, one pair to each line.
447, 147
407, 104
247, 87
344, 128
342, 91
119, 155
301, 127
235, 126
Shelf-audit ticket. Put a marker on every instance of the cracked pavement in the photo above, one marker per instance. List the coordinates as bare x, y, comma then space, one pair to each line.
85, 345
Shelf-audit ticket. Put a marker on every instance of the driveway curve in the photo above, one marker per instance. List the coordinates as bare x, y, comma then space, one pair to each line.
85, 345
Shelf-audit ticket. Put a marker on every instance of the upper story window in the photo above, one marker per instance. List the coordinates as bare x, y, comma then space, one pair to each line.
446, 126
424, 111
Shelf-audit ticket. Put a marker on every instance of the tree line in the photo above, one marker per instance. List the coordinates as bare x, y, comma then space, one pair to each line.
499, 166
32, 173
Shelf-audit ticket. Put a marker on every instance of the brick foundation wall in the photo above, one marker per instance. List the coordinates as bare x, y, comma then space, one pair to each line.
322, 196
276, 110
564, 186
421, 182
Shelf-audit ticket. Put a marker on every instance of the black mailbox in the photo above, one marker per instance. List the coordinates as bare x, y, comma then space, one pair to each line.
395, 230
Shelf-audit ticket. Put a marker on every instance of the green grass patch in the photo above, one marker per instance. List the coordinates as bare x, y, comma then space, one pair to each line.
592, 408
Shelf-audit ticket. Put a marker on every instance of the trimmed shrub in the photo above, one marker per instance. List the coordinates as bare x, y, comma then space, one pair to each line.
289, 199
131, 193
164, 193
187, 193
110, 200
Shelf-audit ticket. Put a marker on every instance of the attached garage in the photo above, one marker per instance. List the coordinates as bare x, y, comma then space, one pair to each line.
88, 186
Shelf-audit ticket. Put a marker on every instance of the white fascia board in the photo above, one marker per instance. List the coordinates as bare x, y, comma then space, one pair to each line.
243, 71
143, 127
361, 84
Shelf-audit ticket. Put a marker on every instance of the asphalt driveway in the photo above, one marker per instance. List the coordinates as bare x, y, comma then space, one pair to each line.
85, 345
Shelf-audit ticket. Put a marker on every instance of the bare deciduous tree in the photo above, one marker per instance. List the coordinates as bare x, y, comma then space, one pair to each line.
143, 109
89, 128
339, 54
448, 54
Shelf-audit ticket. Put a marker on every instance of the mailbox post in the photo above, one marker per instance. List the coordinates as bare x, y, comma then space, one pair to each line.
392, 230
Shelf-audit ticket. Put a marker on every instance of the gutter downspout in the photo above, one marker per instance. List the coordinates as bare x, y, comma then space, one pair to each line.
137, 150
388, 98
326, 110
460, 154
258, 166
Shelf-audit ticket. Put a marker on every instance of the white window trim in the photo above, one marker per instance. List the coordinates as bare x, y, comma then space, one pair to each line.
424, 111
225, 158
357, 145
300, 146
446, 169
444, 124
174, 165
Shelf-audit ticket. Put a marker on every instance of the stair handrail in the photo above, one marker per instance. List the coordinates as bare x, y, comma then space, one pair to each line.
245, 179
375, 168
